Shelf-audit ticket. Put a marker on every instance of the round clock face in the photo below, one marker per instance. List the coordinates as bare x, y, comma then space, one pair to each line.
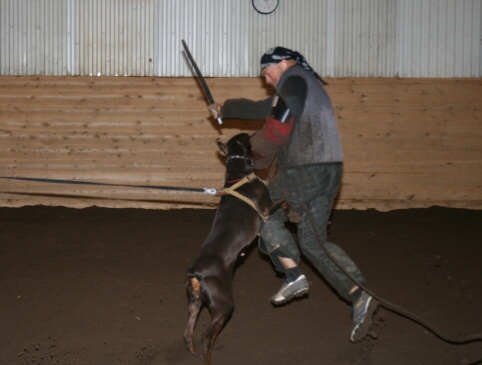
265, 6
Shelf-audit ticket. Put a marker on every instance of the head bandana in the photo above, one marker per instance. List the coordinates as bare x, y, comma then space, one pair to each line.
275, 55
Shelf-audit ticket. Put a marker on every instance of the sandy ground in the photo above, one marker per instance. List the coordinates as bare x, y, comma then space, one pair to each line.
106, 286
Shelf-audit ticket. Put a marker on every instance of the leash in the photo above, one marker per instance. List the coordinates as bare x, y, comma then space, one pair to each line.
229, 190
210, 191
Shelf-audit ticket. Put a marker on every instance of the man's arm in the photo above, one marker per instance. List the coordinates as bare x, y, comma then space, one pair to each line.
246, 109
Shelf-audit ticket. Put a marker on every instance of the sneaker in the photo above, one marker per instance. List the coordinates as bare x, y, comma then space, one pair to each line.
363, 311
290, 290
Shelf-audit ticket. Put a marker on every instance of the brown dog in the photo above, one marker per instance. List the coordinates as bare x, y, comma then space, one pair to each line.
239, 218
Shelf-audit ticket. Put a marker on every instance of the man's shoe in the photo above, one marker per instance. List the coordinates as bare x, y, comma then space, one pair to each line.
363, 311
291, 290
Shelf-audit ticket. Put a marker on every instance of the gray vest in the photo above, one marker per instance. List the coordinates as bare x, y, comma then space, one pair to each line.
315, 137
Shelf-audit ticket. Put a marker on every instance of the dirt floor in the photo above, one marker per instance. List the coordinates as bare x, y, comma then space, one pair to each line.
106, 286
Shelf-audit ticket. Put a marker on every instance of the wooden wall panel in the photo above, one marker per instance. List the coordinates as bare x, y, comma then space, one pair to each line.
408, 142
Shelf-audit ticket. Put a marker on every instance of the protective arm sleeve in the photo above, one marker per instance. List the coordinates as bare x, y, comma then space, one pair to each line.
294, 91
287, 108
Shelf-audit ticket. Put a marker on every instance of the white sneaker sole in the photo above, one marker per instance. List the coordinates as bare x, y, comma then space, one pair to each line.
361, 330
278, 300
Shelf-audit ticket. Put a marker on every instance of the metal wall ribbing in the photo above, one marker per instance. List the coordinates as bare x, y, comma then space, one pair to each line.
340, 38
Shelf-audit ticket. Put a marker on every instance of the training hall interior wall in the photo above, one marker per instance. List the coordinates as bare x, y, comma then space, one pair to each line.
408, 142
101, 91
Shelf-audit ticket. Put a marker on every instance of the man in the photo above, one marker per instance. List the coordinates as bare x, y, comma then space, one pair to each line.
301, 134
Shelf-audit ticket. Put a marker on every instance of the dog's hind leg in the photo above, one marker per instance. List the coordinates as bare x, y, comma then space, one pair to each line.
219, 319
194, 306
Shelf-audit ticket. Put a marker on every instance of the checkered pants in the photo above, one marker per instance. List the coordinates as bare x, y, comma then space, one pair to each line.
311, 187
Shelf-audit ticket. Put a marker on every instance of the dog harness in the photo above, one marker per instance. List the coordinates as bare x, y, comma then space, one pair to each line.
232, 191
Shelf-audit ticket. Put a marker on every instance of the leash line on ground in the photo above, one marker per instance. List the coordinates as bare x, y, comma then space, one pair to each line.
383, 302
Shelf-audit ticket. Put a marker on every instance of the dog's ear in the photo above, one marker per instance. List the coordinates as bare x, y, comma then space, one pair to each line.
223, 147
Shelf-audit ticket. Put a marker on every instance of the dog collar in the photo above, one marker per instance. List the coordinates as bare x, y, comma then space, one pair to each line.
250, 161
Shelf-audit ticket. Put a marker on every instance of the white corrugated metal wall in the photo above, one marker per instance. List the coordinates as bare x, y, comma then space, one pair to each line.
364, 38
340, 38
440, 38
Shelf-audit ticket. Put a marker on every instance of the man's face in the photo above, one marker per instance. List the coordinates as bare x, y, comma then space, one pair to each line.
272, 74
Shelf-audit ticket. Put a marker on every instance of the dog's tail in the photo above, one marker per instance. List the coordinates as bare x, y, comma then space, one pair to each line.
194, 287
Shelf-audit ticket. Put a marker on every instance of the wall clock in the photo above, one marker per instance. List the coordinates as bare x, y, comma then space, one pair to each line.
265, 6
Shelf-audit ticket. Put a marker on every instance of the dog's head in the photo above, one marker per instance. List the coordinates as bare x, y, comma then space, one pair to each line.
238, 147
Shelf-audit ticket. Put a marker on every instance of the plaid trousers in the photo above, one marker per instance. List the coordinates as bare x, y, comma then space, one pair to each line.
313, 188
